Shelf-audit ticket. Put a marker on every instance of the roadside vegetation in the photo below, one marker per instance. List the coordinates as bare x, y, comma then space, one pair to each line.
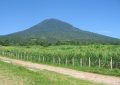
102, 59
17, 75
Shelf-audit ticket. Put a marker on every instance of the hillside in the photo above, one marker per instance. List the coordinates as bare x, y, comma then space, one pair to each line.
52, 31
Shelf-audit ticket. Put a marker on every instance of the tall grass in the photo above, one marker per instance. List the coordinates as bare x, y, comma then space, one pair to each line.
90, 55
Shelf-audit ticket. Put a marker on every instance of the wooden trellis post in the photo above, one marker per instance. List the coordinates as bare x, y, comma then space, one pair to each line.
73, 63
99, 63
81, 62
66, 61
89, 62
59, 60
22, 57
111, 63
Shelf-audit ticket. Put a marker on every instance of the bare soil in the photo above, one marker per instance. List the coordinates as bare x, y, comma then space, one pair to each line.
97, 78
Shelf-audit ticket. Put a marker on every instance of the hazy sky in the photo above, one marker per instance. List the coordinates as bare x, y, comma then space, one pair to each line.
100, 16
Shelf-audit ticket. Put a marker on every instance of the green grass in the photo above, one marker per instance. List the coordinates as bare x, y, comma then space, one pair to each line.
17, 75
103, 71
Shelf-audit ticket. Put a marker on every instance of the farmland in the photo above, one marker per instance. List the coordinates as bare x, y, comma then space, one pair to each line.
103, 59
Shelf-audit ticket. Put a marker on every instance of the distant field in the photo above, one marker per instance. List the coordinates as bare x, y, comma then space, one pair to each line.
16, 75
103, 59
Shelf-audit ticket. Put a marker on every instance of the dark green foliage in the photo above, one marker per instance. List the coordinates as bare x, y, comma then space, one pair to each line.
52, 31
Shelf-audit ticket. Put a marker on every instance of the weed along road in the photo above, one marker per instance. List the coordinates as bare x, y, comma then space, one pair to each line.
107, 80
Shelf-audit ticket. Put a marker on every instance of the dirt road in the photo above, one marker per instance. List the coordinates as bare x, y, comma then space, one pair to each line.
107, 80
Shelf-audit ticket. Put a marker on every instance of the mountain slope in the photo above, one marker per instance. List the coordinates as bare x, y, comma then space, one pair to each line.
53, 30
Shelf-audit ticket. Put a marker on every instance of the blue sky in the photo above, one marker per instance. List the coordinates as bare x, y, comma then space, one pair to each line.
100, 16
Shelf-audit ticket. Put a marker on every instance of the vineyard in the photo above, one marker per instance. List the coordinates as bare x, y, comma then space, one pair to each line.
101, 56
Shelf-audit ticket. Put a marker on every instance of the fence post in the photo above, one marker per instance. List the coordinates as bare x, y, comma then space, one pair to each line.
22, 57
99, 63
111, 63
17, 56
81, 62
89, 62
59, 60
39, 59
66, 61
73, 61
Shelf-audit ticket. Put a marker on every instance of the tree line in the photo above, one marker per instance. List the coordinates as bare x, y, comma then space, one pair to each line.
45, 43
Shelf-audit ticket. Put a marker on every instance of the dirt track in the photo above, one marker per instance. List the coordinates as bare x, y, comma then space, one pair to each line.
108, 80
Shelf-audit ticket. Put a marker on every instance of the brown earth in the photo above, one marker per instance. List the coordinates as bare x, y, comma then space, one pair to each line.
108, 80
